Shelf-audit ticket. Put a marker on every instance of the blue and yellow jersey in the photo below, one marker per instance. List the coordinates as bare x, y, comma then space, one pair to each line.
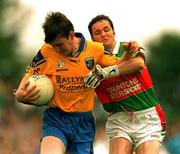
68, 73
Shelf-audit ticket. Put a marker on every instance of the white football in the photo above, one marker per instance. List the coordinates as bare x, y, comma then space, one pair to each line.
46, 87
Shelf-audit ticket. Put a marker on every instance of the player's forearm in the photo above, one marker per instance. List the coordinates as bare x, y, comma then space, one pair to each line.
130, 66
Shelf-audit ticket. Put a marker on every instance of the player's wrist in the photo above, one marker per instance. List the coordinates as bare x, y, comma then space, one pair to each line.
111, 71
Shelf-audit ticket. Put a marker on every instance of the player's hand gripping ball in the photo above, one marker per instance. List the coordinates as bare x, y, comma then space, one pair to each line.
46, 87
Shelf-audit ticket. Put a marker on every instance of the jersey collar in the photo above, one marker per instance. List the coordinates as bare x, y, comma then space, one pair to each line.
82, 45
116, 49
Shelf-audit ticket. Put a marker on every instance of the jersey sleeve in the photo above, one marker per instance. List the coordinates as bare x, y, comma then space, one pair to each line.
140, 53
38, 64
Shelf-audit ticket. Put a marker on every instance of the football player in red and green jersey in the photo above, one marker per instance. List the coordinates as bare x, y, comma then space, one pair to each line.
137, 121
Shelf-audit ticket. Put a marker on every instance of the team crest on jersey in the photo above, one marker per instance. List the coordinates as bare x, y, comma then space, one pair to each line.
89, 63
61, 66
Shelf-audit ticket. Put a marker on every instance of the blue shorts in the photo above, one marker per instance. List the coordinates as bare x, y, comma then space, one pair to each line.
76, 130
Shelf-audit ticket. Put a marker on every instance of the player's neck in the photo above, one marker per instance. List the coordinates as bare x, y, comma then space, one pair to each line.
77, 41
112, 46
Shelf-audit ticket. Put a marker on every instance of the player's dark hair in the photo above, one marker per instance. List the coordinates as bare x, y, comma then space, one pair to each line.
99, 18
56, 24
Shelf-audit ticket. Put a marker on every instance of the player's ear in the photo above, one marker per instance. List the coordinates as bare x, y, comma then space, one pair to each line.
71, 35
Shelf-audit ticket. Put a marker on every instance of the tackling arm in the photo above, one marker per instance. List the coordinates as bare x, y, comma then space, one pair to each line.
129, 62
129, 66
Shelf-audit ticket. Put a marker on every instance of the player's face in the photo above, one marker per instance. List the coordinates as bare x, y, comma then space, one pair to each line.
64, 45
102, 32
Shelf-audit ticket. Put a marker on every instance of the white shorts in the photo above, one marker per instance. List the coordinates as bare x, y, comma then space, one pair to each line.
137, 127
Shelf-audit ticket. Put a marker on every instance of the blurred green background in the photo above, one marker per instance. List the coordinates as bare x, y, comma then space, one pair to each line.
20, 124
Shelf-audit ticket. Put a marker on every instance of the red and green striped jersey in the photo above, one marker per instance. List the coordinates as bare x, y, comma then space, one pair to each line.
132, 91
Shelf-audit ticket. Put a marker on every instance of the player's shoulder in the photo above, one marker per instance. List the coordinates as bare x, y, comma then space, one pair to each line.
97, 46
94, 44
44, 51
41, 55
46, 48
